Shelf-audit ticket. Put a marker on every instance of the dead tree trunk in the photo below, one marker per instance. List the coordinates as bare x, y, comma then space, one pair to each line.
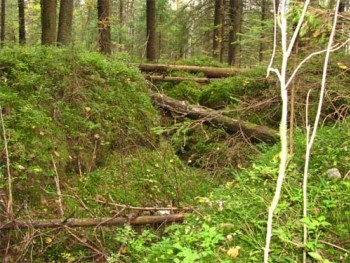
215, 119
155, 78
209, 72
87, 222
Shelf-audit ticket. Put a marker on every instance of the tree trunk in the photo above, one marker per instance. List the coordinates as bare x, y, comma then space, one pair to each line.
88, 222
48, 22
209, 72
277, 4
104, 26
21, 23
65, 22
2, 22
264, 10
151, 53
342, 5
218, 29
215, 119
131, 27
235, 15
121, 21
162, 78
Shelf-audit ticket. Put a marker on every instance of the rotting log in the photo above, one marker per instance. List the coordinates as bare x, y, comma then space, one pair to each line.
89, 222
215, 118
154, 78
209, 72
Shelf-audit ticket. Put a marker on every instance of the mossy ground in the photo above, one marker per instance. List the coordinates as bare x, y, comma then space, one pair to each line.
89, 121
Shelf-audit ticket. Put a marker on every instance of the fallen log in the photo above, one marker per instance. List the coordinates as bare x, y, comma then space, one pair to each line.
88, 222
215, 119
209, 72
153, 78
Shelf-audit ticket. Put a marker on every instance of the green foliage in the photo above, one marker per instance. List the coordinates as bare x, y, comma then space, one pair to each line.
185, 90
187, 244
229, 91
238, 208
337, 100
92, 119
331, 141
202, 61
315, 28
159, 175
178, 244
135, 246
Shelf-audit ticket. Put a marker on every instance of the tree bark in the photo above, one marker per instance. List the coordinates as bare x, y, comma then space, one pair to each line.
2, 22
21, 23
151, 53
65, 22
209, 72
104, 26
162, 78
262, 46
121, 21
88, 222
218, 29
216, 119
235, 14
48, 22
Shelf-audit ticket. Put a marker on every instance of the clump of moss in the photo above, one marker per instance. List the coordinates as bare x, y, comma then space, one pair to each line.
230, 91
185, 90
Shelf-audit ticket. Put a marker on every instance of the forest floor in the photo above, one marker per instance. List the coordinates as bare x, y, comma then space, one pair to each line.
92, 165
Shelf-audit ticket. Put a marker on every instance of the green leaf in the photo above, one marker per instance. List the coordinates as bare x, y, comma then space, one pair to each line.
158, 130
316, 256
306, 220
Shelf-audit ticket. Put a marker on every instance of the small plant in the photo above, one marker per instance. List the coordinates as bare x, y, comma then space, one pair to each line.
187, 244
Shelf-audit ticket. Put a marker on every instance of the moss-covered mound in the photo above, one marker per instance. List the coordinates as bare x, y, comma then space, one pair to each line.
73, 105
88, 120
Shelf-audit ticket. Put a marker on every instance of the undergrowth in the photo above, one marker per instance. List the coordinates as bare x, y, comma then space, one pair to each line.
230, 221
89, 121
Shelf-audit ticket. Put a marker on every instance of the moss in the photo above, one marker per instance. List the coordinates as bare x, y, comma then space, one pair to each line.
229, 91
72, 107
92, 118
186, 90
202, 61
144, 177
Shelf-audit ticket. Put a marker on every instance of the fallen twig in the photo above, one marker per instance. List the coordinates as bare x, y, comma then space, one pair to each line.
58, 188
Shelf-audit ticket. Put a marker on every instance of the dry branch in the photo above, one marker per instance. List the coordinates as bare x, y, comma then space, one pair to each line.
209, 72
88, 222
215, 119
